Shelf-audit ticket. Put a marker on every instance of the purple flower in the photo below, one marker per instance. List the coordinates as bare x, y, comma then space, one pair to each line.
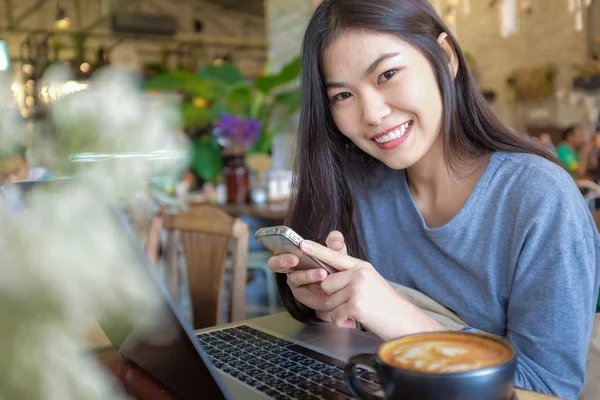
244, 131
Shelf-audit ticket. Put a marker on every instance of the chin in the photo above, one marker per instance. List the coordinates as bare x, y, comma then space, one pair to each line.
398, 164
397, 159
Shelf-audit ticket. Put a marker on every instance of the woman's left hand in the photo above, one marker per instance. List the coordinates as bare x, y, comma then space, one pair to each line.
358, 292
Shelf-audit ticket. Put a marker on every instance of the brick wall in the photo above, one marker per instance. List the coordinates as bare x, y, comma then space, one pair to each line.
548, 35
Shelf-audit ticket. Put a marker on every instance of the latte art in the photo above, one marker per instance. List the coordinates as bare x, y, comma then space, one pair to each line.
445, 354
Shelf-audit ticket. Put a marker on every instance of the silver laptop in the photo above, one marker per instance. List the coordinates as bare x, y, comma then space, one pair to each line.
270, 357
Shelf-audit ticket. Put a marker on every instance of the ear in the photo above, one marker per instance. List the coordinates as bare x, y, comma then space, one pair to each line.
448, 49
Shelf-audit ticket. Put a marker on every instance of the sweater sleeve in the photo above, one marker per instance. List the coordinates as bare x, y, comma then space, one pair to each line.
550, 315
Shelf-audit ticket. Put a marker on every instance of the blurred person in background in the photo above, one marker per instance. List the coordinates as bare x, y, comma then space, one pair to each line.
574, 152
546, 142
15, 166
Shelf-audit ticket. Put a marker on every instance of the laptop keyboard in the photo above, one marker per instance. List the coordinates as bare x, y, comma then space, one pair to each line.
279, 368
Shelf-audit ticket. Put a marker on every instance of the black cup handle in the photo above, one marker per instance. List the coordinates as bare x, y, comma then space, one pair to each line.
352, 380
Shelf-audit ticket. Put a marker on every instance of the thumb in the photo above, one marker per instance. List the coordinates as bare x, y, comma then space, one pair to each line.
335, 241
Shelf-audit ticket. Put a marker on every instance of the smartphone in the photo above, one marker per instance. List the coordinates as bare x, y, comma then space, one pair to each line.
283, 240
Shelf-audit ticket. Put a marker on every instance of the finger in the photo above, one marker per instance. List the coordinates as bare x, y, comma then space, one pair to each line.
300, 278
337, 260
283, 263
341, 317
337, 299
335, 241
336, 282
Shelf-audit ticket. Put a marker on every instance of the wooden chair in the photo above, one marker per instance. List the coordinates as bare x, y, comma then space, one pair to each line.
203, 234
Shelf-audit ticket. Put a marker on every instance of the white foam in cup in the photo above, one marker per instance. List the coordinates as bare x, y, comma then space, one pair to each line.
445, 353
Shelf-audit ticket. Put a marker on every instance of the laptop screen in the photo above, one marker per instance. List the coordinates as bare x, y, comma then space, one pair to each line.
169, 350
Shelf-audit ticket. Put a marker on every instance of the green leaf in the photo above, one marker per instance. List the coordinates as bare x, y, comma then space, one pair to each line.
289, 100
257, 108
183, 81
289, 73
226, 73
263, 144
206, 157
238, 99
195, 116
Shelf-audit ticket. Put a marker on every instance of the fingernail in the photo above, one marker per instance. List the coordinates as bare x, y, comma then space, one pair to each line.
291, 261
349, 323
320, 274
337, 245
307, 245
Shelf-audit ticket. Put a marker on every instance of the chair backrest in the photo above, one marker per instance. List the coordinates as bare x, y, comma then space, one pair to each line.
596, 215
204, 233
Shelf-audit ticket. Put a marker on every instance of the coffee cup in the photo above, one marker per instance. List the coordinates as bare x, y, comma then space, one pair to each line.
439, 365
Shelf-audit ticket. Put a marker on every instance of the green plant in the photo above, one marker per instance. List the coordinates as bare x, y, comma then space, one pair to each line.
270, 99
222, 89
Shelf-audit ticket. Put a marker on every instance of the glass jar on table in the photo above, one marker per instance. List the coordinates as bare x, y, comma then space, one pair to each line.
237, 179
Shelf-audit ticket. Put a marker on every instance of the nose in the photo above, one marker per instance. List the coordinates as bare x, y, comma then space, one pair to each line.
374, 109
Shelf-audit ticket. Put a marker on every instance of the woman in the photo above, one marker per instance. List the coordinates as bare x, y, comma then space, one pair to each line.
402, 165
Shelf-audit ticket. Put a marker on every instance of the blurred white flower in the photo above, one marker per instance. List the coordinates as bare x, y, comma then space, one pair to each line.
64, 258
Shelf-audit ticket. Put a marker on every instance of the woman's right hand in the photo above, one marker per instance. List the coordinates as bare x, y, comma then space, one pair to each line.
306, 284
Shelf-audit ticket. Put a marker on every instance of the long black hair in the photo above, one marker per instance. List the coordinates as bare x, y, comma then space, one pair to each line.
324, 184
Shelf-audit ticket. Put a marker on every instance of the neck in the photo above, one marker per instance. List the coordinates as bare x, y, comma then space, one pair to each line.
430, 175
431, 178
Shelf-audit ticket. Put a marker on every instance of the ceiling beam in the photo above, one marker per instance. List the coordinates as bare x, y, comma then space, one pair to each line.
181, 38
122, 5
26, 14
9, 12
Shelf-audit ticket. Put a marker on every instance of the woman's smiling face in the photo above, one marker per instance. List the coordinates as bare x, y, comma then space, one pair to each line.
384, 96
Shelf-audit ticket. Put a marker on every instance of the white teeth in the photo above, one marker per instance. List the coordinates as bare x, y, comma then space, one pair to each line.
394, 134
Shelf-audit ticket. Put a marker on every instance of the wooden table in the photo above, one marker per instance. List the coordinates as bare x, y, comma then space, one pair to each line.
142, 386
274, 211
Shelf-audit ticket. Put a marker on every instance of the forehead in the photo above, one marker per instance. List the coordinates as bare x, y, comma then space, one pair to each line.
355, 50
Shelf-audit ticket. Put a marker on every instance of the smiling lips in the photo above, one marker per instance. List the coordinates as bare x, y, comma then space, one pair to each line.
394, 137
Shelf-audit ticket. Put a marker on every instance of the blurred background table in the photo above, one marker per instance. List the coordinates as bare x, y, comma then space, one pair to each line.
269, 211
274, 211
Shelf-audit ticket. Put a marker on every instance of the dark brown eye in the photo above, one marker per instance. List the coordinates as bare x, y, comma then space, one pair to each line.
387, 75
341, 96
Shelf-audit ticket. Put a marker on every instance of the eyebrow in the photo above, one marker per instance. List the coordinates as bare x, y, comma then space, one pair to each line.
368, 71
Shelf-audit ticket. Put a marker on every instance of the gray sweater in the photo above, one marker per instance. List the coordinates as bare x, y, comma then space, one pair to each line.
521, 260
